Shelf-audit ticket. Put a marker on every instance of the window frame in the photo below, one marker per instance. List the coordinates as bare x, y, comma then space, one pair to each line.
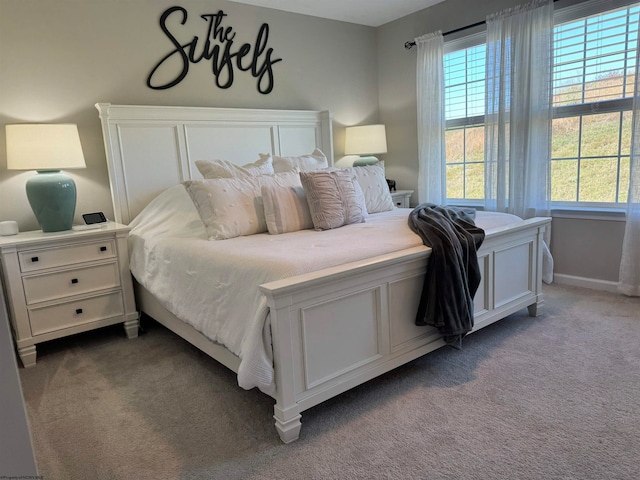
561, 15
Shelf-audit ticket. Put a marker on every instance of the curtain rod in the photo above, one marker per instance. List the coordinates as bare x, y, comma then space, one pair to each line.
410, 44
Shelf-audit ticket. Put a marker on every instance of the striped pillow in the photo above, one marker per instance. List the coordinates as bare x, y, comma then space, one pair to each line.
285, 209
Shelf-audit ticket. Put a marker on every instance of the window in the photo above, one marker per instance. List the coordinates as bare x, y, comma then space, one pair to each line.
593, 75
464, 111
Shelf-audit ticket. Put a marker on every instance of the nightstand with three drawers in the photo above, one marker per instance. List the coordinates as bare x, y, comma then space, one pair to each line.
62, 283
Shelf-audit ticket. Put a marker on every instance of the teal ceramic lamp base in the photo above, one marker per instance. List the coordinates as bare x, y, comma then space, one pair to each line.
52, 196
364, 160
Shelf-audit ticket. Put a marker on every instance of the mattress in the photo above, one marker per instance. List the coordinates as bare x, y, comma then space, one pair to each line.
213, 285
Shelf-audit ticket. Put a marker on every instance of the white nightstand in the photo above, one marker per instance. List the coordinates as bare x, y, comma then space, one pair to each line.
62, 283
401, 198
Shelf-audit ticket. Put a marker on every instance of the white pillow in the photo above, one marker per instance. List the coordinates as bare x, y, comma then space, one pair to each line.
231, 207
171, 213
286, 209
332, 200
305, 163
360, 197
226, 169
374, 186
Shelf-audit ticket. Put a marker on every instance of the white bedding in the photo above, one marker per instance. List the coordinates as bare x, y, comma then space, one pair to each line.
212, 285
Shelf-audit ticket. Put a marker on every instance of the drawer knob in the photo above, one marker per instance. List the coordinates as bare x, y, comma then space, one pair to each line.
103, 249
78, 311
34, 259
74, 280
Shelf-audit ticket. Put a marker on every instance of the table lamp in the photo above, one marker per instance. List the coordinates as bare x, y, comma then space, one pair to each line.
366, 141
47, 148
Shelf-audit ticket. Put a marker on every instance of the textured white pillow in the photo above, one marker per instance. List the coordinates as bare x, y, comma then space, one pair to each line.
286, 209
226, 169
374, 186
231, 207
305, 163
332, 199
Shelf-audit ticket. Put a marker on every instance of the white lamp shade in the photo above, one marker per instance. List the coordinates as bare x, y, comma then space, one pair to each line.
365, 140
43, 147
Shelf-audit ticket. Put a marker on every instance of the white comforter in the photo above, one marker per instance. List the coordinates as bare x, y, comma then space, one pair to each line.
213, 285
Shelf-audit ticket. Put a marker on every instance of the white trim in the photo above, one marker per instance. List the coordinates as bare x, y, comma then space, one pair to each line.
591, 214
583, 282
588, 213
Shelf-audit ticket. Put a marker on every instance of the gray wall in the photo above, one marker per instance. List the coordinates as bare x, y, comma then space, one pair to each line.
588, 248
58, 58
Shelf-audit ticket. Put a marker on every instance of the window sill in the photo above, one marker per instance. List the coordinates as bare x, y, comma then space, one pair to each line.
590, 213
580, 213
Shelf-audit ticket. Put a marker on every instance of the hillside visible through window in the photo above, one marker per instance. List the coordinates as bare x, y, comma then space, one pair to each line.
593, 88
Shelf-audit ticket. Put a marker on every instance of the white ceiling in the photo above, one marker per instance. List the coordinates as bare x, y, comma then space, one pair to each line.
365, 12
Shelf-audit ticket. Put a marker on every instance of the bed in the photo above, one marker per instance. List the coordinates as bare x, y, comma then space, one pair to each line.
321, 328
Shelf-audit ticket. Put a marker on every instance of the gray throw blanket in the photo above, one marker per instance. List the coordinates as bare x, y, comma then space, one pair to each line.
453, 275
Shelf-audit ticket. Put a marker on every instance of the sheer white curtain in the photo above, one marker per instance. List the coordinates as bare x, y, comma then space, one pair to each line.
629, 282
431, 121
518, 114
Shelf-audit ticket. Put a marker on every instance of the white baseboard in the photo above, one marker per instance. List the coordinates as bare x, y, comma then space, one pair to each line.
592, 283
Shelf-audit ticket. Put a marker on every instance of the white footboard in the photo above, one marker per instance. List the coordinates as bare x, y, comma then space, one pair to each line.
339, 327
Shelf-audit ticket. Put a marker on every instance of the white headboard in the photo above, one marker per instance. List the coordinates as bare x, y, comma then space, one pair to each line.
150, 148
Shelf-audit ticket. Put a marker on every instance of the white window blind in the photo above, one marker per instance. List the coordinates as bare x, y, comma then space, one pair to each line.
464, 71
594, 58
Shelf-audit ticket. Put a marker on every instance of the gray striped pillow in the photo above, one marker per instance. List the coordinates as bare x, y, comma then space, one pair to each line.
285, 209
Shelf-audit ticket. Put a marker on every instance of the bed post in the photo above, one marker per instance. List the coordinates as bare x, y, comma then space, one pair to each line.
539, 254
286, 410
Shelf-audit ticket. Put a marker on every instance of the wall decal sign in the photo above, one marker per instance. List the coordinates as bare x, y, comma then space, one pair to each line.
219, 49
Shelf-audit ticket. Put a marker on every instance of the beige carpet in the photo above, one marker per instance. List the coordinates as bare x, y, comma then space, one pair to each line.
552, 397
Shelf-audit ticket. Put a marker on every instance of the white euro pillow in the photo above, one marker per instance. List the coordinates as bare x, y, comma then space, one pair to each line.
374, 186
304, 163
226, 169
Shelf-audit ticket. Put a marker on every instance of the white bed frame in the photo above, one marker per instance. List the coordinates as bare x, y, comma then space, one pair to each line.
332, 329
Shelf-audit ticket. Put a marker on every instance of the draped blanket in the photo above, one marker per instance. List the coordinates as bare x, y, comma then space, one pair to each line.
453, 275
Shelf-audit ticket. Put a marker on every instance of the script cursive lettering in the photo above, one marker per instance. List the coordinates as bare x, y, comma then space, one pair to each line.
217, 48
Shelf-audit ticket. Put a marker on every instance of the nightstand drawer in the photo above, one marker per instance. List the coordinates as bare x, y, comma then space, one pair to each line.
56, 285
69, 314
401, 198
32, 260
